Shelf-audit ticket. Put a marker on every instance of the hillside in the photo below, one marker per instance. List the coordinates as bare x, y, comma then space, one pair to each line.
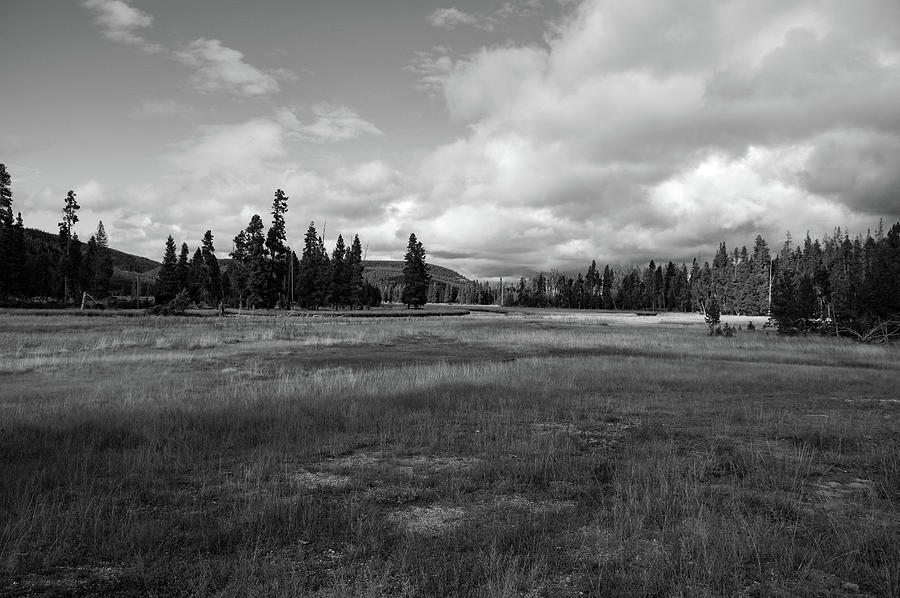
386, 272
125, 262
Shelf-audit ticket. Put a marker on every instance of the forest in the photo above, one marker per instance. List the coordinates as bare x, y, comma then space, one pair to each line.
854, 281
844, 282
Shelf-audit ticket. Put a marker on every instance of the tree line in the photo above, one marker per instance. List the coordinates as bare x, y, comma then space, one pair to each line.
841, 280
264, 272
850, 281
31, 267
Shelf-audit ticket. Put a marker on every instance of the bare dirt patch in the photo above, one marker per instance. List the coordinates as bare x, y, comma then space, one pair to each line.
421, 465
432, 520
437, 518
598, 436
313, 480
68, 581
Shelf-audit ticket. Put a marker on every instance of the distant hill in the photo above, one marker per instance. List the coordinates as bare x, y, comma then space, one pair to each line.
387, 272
126, 262
127, 268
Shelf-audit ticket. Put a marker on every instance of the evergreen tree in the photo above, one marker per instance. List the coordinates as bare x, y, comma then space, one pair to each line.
713, 315
276, 243
6, 213
213, 273
183, 267
683, 289
340, 279
196, 279
784, 298
658, 289
307, 273
103, 269
70, 248
721, 277
258, 271
6, 232
167, 279
608, 302
415, 274
322, 289
355, 273
88, 267
807, 308
238, 271
760, 267
649, 286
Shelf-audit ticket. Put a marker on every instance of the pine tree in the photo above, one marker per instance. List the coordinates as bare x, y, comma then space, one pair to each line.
183, 267
167, 279
340, 279
87, 271
721, 277
213, 273
16, 265
713, 315
322, 288
6, 233
307, 273
258, 270
784, 298
355, 273
70, 248
6, 213
103, 269
415, 274
196, 279
278, 250
608, 302
760, 267
238, 271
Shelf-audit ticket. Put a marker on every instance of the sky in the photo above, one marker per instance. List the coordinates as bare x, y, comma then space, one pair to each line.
510, 135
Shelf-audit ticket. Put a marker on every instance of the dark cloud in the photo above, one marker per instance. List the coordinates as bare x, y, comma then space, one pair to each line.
655, 128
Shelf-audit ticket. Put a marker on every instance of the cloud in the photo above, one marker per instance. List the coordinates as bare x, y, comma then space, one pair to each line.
217, 68
856, 167
334, 123
431, 69
657, 129
219, 176
234, 151
519, 8
220, 69
120, 20
451, 18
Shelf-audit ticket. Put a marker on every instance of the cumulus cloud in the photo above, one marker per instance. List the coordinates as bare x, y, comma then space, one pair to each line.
120, 20
451, 18
656, 129
333, 123
219, 69
219, 176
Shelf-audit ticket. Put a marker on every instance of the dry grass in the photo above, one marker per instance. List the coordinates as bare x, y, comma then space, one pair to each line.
490, 455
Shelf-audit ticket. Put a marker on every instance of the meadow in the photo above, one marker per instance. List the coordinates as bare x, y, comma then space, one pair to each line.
492, 454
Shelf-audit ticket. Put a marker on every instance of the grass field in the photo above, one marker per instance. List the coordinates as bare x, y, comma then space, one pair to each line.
490, 454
